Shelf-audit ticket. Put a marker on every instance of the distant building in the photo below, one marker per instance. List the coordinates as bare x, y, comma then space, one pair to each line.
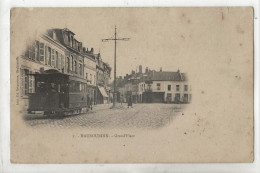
165, 87
157, 86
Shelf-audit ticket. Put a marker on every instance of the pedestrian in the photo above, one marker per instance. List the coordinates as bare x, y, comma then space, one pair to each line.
91, 103
130, 103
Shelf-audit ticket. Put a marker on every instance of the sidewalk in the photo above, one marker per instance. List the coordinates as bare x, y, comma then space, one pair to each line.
102, 106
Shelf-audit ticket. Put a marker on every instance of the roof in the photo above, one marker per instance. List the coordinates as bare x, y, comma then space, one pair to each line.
166, 76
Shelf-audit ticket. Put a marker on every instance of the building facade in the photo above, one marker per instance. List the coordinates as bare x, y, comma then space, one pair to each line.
90, 73
57, 49
157, 86
103, 73
44, 53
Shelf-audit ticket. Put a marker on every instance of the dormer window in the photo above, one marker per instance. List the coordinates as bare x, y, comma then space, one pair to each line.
71, 41
54, 35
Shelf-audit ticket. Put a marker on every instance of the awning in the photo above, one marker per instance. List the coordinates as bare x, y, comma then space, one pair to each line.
103, 92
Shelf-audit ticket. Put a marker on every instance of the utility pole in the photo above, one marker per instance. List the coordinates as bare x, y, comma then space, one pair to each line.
115, 39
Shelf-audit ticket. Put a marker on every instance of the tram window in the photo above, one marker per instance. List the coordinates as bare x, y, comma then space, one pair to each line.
53, 87
72, 86
83, 87
58, 88
76, 88
40, 87
80, 87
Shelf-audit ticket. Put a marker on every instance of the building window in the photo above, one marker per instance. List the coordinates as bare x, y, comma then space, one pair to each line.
80, 69
71, 41
91, 78
185, 87
68, 38
177, 87
94, 80
158, 86
169, 87
54, 35
75, 66
87, 76
30, 53
185, 98
27, 82
62, 62
67, 64
169, 97
71, 63
177, 97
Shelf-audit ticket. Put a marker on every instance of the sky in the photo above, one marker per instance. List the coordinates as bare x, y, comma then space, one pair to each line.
169, 38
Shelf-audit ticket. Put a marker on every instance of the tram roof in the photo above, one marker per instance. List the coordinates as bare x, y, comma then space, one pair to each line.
50, 72
54, 72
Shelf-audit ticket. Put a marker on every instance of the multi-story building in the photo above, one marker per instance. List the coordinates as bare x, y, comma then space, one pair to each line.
90, 72
74, 57
166, 87
57, 49
157, 86
103, 72
45, 53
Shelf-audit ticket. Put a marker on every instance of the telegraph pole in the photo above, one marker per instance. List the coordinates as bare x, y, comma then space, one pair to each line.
115, 39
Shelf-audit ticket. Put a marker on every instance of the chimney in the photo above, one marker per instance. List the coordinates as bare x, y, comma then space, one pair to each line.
140, 69
160, 69
92, 50
133, 72
146, 70
84, 49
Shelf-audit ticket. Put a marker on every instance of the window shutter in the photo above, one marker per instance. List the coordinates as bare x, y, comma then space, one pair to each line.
42, 52
57, 60
37, 50
62, 62
52, 58
46, 55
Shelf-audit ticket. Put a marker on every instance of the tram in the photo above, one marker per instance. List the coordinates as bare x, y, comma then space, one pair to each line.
57, 93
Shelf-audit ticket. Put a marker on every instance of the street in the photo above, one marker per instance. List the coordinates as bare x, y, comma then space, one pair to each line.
148, 116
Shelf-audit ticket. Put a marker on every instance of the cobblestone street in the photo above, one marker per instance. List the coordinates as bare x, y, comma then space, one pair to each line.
147, 116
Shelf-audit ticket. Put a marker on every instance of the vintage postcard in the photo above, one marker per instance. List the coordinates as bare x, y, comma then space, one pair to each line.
132, 85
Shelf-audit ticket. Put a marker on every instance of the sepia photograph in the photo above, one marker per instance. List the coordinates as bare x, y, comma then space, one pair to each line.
132, 85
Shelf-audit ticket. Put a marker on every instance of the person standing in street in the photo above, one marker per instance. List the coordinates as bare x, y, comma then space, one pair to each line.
130, 103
